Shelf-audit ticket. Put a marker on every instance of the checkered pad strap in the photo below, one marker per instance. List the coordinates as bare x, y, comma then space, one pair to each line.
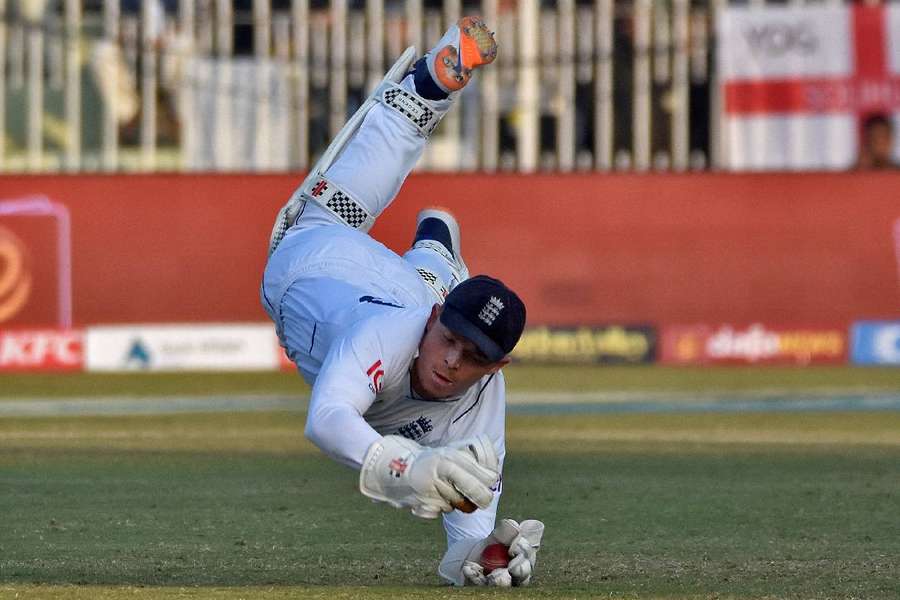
427, 275
419, 111
434, 283
339, 202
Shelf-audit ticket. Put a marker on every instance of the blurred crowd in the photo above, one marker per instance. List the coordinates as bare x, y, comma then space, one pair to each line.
124, 58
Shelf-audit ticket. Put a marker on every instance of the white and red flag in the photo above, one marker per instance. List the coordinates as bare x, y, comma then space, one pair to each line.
796, 82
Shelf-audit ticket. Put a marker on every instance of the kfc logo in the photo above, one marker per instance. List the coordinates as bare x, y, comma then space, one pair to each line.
41, 350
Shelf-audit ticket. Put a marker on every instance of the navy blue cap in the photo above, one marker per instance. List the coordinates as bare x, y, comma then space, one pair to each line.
486, 312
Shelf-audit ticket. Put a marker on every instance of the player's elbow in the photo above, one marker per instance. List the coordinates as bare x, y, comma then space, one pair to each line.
321, 428
314, 431
327, 430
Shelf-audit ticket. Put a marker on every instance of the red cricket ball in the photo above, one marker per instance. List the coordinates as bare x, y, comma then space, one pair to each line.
495, 556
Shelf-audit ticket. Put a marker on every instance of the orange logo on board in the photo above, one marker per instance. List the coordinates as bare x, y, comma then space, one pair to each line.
15, 274
688, 347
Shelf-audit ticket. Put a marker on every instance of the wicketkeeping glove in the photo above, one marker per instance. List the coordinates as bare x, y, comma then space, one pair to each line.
426, 480
481, 449
523, 540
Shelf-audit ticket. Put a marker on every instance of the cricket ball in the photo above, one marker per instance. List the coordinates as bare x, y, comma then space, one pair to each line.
495, 556
465, 505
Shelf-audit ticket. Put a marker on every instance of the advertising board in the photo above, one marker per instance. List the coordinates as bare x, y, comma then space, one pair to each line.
609, 344
580, 249
752, 344
224, 347
875, 343
35, 263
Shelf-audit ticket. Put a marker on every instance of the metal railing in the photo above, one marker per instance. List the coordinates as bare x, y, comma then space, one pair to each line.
202, 85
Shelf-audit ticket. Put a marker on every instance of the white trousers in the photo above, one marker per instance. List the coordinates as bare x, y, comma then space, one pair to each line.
314, 280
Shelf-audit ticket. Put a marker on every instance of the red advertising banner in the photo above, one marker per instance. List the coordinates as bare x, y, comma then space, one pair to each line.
41, 350
752, 344
581, 249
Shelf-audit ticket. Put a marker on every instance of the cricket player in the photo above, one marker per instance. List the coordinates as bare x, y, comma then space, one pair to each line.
403, 353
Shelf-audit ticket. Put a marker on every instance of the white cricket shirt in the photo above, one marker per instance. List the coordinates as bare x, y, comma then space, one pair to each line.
367, 373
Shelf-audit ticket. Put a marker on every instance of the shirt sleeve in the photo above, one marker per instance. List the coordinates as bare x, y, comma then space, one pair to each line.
341, 395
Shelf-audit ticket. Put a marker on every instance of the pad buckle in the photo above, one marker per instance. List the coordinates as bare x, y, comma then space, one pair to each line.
416, 109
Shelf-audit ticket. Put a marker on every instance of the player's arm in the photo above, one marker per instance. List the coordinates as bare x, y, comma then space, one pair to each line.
340, 396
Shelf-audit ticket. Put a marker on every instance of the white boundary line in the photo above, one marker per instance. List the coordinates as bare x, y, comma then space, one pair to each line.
773, 400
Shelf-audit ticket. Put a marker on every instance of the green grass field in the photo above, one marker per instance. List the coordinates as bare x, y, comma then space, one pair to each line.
640, 506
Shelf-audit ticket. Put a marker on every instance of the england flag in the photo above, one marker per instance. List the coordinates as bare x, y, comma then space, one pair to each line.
796, 82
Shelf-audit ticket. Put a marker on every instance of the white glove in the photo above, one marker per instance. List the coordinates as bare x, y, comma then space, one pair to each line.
474, 574
482, 450
523, 540
427, 480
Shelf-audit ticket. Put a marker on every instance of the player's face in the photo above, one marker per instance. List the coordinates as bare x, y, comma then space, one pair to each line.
448, 364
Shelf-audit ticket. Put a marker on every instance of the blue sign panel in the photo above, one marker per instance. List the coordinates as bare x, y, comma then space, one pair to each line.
875, 343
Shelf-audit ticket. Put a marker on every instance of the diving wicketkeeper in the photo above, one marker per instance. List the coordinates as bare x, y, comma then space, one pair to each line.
404, 354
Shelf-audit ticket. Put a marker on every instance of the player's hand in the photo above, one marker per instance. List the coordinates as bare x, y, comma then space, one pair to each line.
523, 551
482, 450
426, 480
474, 574
523, 541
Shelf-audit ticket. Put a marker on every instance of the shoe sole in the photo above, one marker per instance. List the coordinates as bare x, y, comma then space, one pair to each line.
477, 47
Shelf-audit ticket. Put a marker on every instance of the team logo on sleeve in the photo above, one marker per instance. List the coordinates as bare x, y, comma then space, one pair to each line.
376, 374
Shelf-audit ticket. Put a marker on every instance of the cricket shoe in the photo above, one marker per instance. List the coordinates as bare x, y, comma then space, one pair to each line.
438, 230
466, 46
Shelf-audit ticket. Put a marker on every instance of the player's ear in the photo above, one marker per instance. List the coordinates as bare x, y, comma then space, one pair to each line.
500, 364
433, 317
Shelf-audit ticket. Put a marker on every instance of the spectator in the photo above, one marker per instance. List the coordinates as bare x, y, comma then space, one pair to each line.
877, 143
